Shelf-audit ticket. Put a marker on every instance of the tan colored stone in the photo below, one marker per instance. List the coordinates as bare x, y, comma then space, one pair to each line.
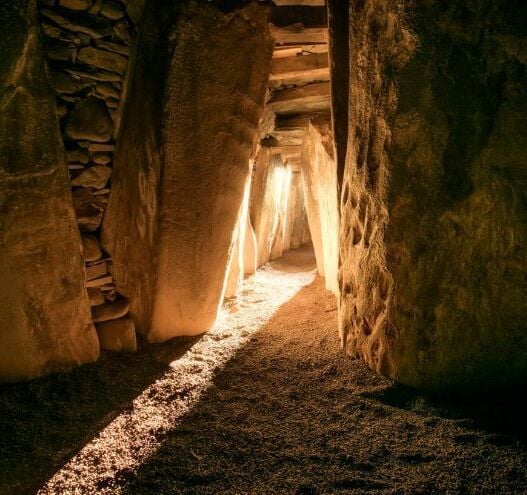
91, 247
44, 308
99, 282
96, 270
96, 296
112, 10
117, 335
179, 222
90, 120
96, 177
103, 59
89, 209
110, 311
319, 174
102, 158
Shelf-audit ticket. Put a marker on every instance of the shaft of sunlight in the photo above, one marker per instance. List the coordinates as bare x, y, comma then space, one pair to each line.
131, 438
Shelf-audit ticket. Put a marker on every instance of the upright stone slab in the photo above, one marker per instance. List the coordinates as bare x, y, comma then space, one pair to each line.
45, 322
266, 200
200, 76
434, 230
319, 174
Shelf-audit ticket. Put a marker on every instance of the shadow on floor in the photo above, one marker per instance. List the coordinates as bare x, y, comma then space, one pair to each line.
290, 414
501, 412
43, 423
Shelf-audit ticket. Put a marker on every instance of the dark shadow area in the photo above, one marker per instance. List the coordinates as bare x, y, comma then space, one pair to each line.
500, 412
291, 414
43, 423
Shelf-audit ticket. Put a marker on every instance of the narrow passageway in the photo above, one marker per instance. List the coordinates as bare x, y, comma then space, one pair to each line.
266, 403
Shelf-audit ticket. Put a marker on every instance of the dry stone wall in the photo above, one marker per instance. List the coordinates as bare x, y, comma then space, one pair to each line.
45, 323
88, 45
433, 231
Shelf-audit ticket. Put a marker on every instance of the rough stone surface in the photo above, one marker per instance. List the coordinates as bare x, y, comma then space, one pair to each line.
91, 248
181, 216
319, 173
111, 311
297, 222
96, 177
117, 335
90, 120
434, 264
266, 200
76, 4
89, 209
249, 248
44, 310
103, 59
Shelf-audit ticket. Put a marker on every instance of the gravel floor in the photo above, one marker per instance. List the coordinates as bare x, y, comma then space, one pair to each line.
279, 410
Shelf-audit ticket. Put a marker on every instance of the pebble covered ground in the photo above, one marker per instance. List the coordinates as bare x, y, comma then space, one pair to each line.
266, 403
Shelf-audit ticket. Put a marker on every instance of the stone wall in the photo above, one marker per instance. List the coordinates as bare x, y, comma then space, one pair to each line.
189, 133
88, 46
433, 228
45, 323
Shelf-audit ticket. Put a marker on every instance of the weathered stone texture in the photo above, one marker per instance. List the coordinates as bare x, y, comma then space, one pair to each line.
45, 322
269, 187
319, 174
434, 261
182, 189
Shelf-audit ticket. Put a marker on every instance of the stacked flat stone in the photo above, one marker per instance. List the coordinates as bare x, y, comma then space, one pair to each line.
88, 44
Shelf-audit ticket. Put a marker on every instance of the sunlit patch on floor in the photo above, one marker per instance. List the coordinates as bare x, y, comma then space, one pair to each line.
103, 465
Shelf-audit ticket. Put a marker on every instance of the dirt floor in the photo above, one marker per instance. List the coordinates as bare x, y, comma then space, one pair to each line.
286, 413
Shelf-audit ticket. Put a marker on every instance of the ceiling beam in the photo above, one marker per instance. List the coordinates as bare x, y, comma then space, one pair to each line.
303, 99
297, 34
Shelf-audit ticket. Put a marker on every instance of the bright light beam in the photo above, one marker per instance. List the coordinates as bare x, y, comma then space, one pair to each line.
129, 440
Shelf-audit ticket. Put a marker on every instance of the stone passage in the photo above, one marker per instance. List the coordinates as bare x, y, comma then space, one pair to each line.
88, 45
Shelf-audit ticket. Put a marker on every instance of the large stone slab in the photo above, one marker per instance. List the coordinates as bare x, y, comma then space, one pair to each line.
319, 175
266, 200
45, 322
176, 195
434, 263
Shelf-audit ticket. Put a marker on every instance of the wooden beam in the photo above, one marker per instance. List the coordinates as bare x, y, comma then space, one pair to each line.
304, 99
287, 52
300, 69
297, 34
282, 51
300, 63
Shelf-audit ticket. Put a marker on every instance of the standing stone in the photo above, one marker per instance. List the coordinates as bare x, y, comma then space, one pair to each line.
434, 226
176, 195
45, 323
90, 120
319, 175
266, 201
117, 335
